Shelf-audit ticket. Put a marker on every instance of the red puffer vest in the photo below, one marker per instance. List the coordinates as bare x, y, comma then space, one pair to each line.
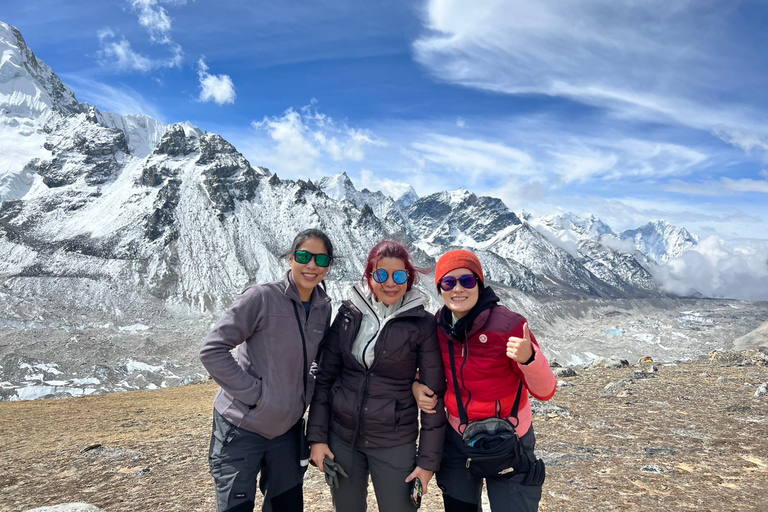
488, 379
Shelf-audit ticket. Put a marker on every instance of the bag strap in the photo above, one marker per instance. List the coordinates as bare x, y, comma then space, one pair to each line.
463, 418
462, 411
304, 345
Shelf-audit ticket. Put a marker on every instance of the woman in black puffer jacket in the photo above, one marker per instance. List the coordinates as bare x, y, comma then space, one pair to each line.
363, 415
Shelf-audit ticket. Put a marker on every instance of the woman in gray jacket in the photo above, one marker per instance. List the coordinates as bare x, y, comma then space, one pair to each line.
277, 328
364, 416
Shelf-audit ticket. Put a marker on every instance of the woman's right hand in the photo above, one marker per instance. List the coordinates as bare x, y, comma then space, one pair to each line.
425, 397
318, 452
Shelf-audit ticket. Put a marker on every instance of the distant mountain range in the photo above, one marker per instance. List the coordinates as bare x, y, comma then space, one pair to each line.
111, 220
97, 196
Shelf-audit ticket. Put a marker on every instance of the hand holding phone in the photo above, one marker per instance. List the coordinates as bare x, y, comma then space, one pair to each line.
416, 491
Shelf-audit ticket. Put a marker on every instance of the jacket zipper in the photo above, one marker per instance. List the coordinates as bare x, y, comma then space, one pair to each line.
379, 328
368, 343
367, 371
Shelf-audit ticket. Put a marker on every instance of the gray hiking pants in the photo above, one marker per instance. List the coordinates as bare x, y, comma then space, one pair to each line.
388, 468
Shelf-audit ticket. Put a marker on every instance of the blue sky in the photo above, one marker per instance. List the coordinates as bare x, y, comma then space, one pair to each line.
631, 111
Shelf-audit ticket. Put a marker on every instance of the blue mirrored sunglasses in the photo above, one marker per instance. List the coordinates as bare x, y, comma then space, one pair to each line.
467, 281
399, 277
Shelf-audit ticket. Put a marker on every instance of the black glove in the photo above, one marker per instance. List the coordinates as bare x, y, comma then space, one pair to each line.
332, 471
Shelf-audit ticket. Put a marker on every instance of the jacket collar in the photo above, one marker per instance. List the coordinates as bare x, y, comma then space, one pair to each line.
363, 300
318, 297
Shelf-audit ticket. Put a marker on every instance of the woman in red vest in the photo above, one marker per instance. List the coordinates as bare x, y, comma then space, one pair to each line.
494, 354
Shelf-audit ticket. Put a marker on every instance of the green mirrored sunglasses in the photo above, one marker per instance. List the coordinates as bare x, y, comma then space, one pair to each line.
303, 257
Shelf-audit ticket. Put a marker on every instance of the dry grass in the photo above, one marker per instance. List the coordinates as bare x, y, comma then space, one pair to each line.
691, 439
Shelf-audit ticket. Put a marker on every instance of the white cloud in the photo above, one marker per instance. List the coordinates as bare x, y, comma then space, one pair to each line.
305, 141
716, 269
373, 181
749, 142
123, 57
586, 159
216, 88
105, 33
585, 166
155, 19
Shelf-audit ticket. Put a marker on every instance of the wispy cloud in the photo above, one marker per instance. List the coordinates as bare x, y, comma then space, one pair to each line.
120, 100
216, 88
659, 61
588, 158
121, 55
721, 187
154, 18
480, 159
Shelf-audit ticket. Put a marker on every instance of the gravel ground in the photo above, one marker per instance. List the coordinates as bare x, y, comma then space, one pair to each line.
689, 436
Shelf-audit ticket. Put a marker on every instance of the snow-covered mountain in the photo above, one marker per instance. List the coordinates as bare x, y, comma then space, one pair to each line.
600, 250
341, 188
123, 237
660, 240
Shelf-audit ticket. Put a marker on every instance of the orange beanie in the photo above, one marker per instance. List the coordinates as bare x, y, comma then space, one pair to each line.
458, 259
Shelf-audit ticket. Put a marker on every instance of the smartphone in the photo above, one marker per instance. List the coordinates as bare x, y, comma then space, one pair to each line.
416, 491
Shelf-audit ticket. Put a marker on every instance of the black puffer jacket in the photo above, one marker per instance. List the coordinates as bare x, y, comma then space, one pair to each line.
375, 408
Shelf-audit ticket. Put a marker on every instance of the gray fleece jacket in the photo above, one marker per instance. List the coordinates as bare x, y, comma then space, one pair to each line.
262, 390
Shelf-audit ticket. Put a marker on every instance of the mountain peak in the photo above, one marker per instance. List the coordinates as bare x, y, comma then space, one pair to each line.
337, 187
661, 240
408, 197
28, 87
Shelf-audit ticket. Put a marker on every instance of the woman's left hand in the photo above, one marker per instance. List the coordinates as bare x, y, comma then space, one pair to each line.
520, 349
424, 475
425, 397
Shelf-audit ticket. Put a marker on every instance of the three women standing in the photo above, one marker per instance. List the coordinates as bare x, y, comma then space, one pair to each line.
277, 328
364, 416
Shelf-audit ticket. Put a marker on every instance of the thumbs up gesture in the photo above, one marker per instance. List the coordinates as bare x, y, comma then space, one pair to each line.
520, 349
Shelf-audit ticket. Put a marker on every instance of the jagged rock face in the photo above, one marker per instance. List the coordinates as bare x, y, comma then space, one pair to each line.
445, 218
80, 147
511, 273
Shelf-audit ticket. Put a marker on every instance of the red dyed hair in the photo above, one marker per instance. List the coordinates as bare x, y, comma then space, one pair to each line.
392, 249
